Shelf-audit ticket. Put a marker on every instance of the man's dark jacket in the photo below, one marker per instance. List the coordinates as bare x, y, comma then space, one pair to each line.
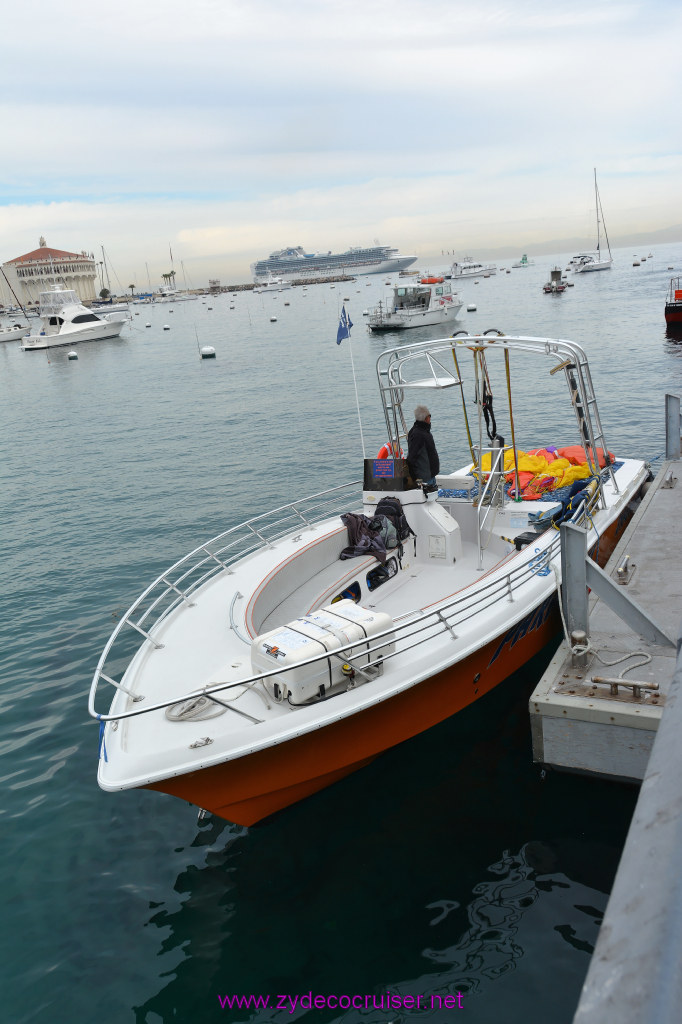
422, 457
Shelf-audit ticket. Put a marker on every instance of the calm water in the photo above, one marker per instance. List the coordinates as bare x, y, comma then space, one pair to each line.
449, 864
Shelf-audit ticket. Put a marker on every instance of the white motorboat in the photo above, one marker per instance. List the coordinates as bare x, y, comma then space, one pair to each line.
12, 332
266, 665
64, 320
466, 267
109, 307
418, 305
586, 262
168, 294
272, 284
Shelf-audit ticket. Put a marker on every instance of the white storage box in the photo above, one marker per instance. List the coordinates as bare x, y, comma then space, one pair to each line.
327, 629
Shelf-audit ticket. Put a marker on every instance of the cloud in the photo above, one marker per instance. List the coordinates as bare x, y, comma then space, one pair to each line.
232, 128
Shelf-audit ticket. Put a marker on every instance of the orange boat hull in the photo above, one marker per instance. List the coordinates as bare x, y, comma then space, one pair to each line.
250, 788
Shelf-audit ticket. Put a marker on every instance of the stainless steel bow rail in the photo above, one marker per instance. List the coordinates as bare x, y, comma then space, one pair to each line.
179, 583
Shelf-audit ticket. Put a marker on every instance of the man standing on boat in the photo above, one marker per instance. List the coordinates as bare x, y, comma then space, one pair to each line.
422, 457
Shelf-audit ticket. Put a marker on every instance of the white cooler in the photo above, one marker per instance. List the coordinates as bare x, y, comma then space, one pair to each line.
327, 629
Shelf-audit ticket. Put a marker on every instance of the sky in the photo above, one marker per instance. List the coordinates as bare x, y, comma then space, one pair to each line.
226, 129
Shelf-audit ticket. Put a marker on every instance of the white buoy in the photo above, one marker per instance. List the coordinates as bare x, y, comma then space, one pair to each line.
147, 325
166, 327
72, 355
471, 308
273, 319
207, 352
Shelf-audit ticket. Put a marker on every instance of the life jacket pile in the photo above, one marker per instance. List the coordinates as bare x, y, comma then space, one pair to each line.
544, 470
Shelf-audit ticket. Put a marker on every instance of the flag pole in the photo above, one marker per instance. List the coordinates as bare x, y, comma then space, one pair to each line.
357, 400
345, 325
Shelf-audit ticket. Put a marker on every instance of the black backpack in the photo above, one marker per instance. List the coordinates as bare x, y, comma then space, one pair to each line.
393, 510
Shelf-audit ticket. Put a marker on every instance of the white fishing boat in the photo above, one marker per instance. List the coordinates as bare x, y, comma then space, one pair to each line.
12, 332
586, 262
418, 305
268, 665
64, 320
272, 284
466, 267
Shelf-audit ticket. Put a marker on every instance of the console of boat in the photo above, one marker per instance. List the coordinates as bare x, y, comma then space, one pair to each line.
280, 656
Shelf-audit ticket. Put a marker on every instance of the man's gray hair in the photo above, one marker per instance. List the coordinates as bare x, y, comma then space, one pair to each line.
421, 412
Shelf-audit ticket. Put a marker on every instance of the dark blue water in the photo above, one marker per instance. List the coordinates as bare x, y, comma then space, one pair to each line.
450, 865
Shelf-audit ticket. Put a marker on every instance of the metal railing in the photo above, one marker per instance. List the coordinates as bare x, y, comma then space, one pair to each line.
409, 630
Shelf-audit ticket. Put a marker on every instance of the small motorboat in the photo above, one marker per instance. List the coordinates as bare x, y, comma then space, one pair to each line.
555, 285
280, 656
418, 305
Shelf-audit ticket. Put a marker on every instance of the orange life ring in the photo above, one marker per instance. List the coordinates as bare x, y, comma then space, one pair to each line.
387, 452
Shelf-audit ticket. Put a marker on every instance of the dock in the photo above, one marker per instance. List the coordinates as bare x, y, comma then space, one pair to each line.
609, 705
599, 713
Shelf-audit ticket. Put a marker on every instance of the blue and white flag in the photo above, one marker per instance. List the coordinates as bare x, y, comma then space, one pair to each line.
345, 324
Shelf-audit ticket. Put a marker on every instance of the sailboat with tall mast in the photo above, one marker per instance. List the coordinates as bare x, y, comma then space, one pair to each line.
588, 261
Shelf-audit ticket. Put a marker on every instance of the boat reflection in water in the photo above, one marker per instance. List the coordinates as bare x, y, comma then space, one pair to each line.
270, 666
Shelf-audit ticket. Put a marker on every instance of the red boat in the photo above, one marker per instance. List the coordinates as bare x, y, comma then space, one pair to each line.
673, 305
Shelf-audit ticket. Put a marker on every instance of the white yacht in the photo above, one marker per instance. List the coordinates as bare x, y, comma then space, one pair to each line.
64, 320
109, 307
272, 284
466, 267
168, 294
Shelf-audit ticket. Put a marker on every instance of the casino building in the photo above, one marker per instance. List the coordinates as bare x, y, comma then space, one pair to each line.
34, 272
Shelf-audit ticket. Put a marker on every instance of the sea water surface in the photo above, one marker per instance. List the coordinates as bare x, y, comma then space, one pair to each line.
451, 868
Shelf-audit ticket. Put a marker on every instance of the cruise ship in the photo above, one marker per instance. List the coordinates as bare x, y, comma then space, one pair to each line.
297, 264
